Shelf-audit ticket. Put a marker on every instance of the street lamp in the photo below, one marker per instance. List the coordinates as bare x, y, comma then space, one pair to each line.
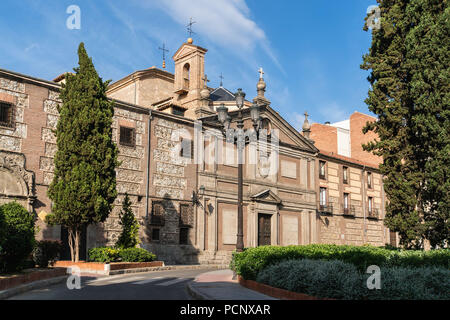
239, 138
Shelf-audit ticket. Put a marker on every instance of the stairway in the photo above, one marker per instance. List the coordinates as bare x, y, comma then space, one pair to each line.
219, 258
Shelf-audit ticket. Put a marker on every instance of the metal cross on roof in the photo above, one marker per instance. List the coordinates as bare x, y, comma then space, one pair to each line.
189, 27
205, 80
306, 115
164, 50
221, 79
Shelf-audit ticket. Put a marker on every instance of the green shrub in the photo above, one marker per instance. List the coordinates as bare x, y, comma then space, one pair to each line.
17, 240
107, 254
103, 254
339, 280
323, 279
249, 262
46, 251
136, 255
419, 283
129, 237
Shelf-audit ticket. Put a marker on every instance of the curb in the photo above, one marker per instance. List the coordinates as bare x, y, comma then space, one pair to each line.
194, 293
165, 268
5, 294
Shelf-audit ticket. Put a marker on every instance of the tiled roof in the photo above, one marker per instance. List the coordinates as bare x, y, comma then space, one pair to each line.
222, 94
347, 159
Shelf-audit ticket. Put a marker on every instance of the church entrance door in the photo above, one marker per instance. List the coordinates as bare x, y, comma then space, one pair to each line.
264, 229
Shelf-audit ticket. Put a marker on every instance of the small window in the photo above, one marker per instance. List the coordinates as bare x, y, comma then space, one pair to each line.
322, 165
370, 204
127, 136
369, 180
323, 196
155, 234
187, 148
177, 111
6, 115
345, 175
346, 197
184, 235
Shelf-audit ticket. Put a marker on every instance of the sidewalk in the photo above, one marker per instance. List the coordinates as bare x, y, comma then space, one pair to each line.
219, 285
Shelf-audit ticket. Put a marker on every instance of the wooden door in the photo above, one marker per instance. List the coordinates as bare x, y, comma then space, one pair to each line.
264, 229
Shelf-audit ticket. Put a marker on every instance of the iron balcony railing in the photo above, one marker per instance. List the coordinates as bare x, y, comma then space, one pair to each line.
348, 210
325, 207
373, 213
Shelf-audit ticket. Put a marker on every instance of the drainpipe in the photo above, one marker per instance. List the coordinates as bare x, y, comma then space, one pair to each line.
148, 164
364, 203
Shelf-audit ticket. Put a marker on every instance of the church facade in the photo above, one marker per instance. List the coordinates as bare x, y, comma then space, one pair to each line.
177, 169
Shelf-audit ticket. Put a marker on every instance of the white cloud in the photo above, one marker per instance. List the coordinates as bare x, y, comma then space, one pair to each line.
226, 23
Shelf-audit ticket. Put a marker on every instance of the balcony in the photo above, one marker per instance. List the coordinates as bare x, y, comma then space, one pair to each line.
326, 208
373, 214
348, 211
184, 88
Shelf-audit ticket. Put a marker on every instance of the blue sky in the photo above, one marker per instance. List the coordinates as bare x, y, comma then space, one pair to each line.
310, 50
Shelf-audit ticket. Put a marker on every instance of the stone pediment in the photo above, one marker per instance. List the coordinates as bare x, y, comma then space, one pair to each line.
187, 49
267, 196
288, 134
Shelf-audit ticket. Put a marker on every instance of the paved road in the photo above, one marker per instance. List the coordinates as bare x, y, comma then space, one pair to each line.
159, 285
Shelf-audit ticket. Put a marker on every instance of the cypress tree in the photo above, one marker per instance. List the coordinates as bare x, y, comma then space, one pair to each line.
409, 76
84, 186
130, 226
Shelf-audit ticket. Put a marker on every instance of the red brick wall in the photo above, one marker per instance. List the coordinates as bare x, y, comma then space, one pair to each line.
357, 138
325, 137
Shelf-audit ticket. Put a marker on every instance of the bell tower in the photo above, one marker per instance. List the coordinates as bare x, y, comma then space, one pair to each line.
189, 77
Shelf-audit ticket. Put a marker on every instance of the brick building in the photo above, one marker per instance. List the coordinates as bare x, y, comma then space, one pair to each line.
164, 121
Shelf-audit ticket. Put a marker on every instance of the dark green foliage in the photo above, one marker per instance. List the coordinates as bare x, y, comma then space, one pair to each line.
136, 255
106, 255
84, 185
46, 251
130, 227
252, 260
409, 63
339, 280
17, 236
103, 254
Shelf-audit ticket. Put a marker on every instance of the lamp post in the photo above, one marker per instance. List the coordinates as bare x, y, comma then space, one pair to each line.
225, 120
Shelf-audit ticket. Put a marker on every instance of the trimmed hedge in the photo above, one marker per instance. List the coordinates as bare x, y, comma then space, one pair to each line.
252, 260
16, 236
136, 255
107, 254
340, 280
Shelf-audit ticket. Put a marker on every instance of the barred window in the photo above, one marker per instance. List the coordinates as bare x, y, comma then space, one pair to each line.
186, 215
157, 216
155, 234
6, 115
127, 136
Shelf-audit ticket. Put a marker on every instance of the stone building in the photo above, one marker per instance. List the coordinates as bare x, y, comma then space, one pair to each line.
351, 199
171, 149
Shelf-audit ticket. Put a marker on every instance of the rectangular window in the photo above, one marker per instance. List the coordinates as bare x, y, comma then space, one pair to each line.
157, 216
127, 136
6, 115
187, 148
369, 180
322, 165
184, 235
370, 205
177, 111
345, 174
323, 196
346, 203
155, 234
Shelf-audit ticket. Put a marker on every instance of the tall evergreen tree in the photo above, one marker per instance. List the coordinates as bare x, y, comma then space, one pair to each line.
84, 186
409, 76
130, 226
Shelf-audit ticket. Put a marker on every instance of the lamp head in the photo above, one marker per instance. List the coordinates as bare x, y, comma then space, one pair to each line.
240, 97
